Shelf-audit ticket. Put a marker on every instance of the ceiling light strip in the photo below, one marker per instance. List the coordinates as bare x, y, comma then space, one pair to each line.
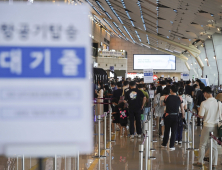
103, 10
127, 13
108, 2
141, 13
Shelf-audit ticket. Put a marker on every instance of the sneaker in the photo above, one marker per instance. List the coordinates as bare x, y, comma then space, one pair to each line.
135, 134
163, 146
139, 136
172, 149
180, 142
131, 136
176, 142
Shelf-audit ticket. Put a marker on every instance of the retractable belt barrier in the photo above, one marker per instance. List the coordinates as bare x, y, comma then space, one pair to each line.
99, 118
147, 142
188, 128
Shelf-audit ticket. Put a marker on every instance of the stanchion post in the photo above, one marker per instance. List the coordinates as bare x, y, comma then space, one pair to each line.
146, 145
211, 151
141, 148
193, 126
55, 162
110, 127
188, 128
151, 134
99, 132
23, 162
77, 161
105, 113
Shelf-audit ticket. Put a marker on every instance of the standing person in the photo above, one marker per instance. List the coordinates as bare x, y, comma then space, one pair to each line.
115, 113
189, 90
145, 110
123, 118
209, 109
118, 93
162, 110
100, 100
180, 120
172, 103
136, 101
125, 86
156, 106
200, 99
113, 86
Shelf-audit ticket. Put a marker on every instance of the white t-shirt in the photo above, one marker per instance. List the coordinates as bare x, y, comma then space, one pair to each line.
184, 102
209, 111
162, 108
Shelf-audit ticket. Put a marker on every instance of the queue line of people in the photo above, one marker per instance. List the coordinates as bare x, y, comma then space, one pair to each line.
172, 101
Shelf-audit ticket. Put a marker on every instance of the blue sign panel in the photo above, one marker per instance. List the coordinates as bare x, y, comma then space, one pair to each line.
42, 62
148, 74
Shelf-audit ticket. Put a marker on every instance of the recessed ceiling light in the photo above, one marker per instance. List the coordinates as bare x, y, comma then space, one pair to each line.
218, 29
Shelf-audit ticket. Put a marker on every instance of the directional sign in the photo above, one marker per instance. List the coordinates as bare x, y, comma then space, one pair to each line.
45, 94
148, 75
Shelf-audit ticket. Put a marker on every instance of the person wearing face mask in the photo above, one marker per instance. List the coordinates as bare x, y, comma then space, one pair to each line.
210, 110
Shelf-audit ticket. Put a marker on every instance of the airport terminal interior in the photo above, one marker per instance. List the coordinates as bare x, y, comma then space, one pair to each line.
140, 87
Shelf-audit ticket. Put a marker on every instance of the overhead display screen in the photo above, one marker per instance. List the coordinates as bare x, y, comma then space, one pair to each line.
160, 62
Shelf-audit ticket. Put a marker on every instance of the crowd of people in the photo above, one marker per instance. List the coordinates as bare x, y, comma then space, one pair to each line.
172, 107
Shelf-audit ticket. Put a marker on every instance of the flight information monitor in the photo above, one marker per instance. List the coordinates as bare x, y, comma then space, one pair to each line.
160, 62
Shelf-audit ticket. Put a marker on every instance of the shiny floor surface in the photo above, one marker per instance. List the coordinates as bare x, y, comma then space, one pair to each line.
122, 154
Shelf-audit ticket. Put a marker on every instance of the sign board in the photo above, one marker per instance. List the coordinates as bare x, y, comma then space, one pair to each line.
205, 81
45, 60
112, 53
151, 94
111, 68
148, 75
186, 76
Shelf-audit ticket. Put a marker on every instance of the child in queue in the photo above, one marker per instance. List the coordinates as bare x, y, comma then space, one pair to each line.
123, 118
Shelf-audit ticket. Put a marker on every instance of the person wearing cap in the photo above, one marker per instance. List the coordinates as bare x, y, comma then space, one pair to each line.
209, 111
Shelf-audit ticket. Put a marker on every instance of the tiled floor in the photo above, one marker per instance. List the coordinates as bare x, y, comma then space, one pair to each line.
123, 155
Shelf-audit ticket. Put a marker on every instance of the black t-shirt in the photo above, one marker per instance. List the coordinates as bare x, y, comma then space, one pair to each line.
134, 97
117, 115
189, 89
172, 103
125, 91
117, 93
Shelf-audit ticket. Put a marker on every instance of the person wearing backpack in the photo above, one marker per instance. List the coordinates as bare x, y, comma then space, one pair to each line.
211, 111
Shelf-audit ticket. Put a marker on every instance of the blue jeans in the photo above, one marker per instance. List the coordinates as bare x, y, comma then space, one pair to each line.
145, 114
